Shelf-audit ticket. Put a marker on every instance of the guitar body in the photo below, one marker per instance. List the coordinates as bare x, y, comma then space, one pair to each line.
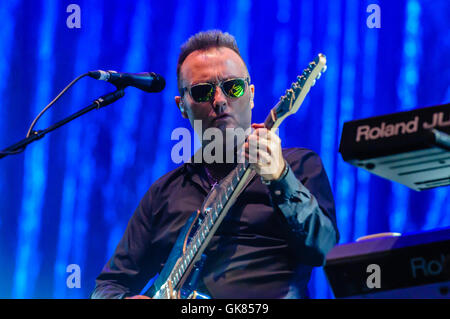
161, 288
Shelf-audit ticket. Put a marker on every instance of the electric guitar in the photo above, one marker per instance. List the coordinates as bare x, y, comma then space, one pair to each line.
181, 272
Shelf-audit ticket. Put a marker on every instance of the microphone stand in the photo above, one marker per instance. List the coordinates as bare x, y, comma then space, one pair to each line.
37, 135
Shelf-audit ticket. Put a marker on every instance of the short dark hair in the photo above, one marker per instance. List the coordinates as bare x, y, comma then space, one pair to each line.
203, 41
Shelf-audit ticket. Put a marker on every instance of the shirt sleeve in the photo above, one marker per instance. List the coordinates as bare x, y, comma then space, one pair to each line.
305, 198
129, 269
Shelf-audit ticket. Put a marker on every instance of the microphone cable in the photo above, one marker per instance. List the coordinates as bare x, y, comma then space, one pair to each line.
53, 102
30, 130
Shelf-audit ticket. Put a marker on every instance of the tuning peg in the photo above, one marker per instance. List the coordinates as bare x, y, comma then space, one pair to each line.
319, 75
324, 68
313, 83
289, 93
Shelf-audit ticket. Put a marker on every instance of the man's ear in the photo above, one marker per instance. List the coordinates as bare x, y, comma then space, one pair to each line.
180, 105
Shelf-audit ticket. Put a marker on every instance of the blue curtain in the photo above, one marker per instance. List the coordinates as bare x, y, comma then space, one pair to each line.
68, 197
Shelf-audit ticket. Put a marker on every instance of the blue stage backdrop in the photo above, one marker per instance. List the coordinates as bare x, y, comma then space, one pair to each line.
67, 199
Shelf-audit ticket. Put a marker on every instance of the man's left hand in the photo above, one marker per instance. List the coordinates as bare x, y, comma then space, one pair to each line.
263, 151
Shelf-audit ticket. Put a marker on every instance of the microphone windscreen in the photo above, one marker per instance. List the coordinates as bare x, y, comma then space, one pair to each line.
158, 83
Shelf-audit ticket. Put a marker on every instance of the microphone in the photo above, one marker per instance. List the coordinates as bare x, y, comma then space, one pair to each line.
148, 81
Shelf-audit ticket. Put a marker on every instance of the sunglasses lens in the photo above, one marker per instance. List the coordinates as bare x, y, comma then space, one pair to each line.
234, 88
202, 92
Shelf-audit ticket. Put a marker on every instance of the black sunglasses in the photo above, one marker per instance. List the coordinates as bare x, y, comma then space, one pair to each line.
205, 92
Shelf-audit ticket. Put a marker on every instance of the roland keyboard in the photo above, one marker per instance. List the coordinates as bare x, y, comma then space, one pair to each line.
415, 265
411, 148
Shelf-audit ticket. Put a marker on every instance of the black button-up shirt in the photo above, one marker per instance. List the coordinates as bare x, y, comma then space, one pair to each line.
265, 247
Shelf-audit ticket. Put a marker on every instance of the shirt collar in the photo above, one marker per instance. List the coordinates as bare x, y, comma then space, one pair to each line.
196, 173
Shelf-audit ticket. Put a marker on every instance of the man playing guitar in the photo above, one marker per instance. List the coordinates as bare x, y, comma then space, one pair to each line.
281, 225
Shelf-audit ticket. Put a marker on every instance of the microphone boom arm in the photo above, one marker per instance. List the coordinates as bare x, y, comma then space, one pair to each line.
37, 135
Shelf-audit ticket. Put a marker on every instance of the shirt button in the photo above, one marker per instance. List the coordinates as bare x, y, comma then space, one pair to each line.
278, 192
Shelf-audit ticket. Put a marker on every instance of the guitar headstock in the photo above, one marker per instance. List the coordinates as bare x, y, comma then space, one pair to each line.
291, 101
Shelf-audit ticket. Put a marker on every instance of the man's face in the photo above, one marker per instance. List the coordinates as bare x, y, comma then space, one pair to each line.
213, 66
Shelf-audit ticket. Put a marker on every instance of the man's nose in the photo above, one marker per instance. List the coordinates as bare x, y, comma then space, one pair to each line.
220, 100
